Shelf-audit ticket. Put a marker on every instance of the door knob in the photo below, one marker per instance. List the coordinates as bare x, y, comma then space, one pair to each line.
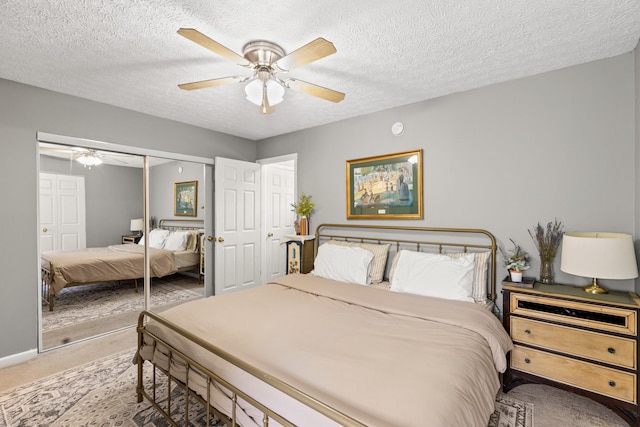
210, 238
270, 235
220, 239
44, 230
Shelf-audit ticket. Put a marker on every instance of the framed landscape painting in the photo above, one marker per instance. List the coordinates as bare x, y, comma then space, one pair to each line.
385, 187
185, 198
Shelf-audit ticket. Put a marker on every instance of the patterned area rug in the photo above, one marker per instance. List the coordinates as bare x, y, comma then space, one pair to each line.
99, 300
511, 412
103, 394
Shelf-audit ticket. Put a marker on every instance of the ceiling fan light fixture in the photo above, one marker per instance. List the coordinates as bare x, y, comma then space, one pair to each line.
254, 91
89, 159
266, 59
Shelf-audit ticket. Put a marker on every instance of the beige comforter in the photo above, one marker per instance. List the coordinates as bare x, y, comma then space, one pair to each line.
116, 262
383, 358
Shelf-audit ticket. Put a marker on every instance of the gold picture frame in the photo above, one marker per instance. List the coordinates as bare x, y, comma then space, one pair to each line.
385, 187
185, 198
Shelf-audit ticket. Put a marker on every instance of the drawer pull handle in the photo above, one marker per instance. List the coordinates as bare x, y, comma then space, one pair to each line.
611, 350
612, 383
527, 331
527, 360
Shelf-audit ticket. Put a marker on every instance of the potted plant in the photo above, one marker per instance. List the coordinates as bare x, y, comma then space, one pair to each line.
303, 209
517, 261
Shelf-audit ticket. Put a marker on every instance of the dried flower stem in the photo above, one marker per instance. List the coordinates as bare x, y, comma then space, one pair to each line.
547, 239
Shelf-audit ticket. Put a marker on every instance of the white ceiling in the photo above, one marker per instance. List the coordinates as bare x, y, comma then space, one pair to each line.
389, 53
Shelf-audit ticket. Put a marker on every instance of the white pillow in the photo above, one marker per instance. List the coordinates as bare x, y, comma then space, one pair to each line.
343, 263
480, 268
380, 252
177, 241
481, 265
434, 275
157, 237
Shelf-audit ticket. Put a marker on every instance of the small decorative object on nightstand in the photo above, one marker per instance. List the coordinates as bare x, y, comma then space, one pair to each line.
299, 254
580, 342
547, 240
303, 209
517, 261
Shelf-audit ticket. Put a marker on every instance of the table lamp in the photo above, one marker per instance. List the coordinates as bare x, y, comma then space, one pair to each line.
599, 256
137, 225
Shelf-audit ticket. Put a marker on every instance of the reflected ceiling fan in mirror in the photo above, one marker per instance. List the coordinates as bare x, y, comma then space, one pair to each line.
87, 157
265, 88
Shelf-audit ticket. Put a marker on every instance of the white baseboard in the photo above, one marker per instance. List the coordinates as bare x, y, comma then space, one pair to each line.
14, 359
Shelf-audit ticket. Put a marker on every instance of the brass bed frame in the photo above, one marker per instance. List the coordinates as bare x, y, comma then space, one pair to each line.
407, 240
46, 276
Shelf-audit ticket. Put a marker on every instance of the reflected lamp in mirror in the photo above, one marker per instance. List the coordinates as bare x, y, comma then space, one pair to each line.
137, 225
599, 256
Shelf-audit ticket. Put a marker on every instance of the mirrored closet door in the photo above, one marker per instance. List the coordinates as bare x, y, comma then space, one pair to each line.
92, 240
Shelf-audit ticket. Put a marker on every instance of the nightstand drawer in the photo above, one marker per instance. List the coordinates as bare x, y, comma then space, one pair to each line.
604, 318
589, 345
587, 376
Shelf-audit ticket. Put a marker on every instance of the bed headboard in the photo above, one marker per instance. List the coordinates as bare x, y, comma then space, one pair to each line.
422, 239
181, 224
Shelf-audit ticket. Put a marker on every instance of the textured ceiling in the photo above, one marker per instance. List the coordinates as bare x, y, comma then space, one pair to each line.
389, 53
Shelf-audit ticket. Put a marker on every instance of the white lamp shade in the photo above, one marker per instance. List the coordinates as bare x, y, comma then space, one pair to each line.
275, 92
137, 224
599, 255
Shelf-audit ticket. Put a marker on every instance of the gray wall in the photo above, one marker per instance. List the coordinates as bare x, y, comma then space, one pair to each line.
114, 196
161, 181
25, 110
504, 157
563, 143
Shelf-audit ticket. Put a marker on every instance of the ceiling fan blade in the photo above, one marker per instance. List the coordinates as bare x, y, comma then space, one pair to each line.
212, 82
57, 150
113, 158
84, 153
315, 90
215, 47
317, 49
61, 149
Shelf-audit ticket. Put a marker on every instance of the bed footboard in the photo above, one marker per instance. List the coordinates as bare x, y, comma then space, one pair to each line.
46, 278
212, 380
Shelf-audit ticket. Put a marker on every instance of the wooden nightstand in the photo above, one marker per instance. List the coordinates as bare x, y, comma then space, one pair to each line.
299, 254
576, 341
130, 239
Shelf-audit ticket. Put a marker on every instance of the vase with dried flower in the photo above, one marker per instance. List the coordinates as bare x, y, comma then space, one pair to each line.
303, 209
547, 240
517, 261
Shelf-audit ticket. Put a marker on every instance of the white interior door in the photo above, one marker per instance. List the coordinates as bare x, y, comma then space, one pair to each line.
237, 225
208, 240
279, 189
62, 212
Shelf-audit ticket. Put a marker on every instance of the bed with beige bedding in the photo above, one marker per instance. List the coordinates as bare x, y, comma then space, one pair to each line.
74, 267
313, 351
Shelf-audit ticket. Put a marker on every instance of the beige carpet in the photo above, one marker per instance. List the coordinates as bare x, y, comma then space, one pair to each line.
86, 311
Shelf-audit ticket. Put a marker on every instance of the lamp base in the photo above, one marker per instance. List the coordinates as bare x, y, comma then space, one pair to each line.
594, 288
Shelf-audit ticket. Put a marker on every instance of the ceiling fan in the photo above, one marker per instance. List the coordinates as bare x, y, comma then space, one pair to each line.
85, 156
266, 60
